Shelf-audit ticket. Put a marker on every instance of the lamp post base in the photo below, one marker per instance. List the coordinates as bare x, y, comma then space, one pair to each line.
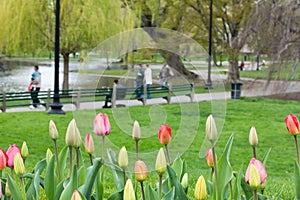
56, 109
208, 86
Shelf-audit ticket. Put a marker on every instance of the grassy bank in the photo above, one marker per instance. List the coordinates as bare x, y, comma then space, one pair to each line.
188, 124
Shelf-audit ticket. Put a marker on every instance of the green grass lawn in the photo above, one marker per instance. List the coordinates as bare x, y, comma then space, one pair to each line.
188, 127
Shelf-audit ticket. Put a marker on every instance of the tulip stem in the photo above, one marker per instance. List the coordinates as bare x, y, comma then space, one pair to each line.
71, 159
215, 169
255, 197
168, 155
254, 152
136, 150
91, 158
57, 160
77, 157
103, 147
160, 186
124, 175
143, 193
297, 149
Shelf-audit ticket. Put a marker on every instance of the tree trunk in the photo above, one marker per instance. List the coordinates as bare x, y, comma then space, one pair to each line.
233, 73
66, 71
172, 59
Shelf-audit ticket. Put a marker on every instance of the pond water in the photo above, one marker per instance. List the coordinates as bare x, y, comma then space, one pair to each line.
18, 77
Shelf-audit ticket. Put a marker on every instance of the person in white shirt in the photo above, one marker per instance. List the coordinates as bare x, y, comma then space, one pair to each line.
148, 79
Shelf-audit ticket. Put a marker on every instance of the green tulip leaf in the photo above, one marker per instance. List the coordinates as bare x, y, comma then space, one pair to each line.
297, 180
59, 190
150, 193
169, 195
40, 166
116, 196
225, 172
36, 182
71, 186
266, 156
237, 188
81, 175
246, 188
50, 180
178, 167
92, 173
165, 186
99, 188
116, 170
62, 157
174, 182
14, 189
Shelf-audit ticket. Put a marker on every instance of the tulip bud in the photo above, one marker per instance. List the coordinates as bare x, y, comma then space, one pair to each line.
254, 179
53, 133
160, 165
11, 152
19, 165
259, 167
89, 144
48, 155
164, 134
292, 124
253, 139
7, 191
128, 191
211, 129
76, 195
210, 158
200, 190
24, 150
136, 131
73, 137
123, 158
3, 159
184, 181
101, 125
140, 171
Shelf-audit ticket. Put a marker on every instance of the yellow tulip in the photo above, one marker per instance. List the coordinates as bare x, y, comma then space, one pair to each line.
160, 165
136, 131
24, 150
128, 191
184, 181
123, 158
18, 164
53, 133
200, 190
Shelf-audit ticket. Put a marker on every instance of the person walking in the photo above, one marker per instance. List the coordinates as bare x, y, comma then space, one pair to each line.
139, 81
148, 79
164, 75
35, 87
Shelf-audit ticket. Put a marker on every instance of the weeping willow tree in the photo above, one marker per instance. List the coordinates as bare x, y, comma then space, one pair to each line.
29, 26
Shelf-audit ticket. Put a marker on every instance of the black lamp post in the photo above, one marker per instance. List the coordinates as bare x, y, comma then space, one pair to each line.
208, 84
56, 105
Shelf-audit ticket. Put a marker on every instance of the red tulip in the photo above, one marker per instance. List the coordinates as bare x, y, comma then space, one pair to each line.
259, 167
11, 152
164, 134
209, 158
101, 125
292, 124
3, 159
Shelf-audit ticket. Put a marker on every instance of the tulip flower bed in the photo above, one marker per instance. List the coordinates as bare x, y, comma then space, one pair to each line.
252, 127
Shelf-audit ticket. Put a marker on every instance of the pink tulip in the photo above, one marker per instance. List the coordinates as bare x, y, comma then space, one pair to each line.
3, 159
101, 125
209, 158
11, 152
164, 134
259, 167
89, 144
292, 124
